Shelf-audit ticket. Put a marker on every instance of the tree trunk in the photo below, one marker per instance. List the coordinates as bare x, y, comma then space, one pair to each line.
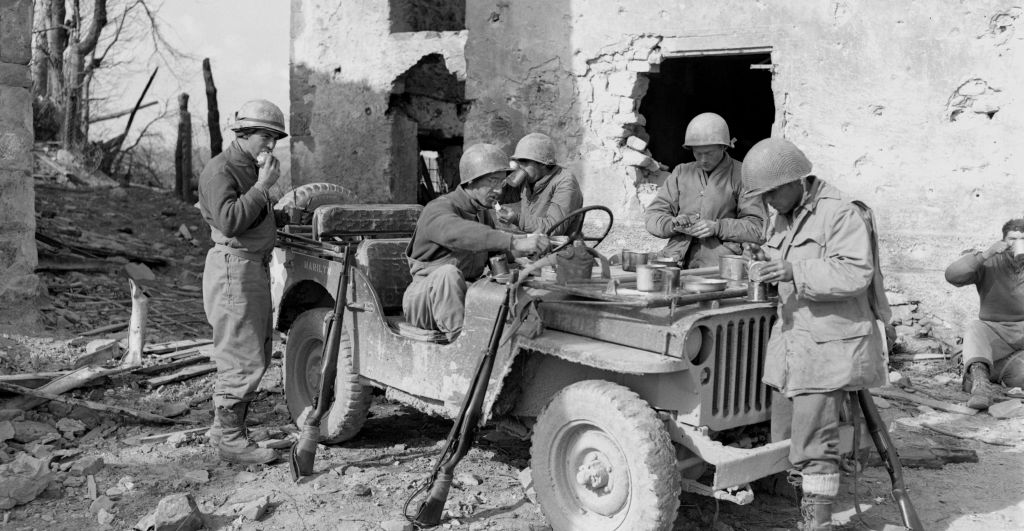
40, 50
70, 131
212, 112
183, 152
57, 41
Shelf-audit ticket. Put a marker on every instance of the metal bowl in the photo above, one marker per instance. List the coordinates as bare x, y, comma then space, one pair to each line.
702, 284
630, 259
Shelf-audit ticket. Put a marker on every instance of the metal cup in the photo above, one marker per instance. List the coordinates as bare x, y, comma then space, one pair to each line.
757, 292
670, 279
1017, 249
499, 265
645, 277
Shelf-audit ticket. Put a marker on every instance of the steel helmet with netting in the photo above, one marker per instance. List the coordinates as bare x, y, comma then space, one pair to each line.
260, 114
537, 147
772, 163
707, 129
481, 159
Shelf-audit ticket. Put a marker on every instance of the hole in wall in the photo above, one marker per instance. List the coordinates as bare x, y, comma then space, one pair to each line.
723, 84
426, 15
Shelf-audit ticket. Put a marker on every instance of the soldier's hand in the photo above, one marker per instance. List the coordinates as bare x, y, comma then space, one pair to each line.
702, 228
530, 244
508, 216
753, 251
999, 247
270, 171
777, 271
682, 222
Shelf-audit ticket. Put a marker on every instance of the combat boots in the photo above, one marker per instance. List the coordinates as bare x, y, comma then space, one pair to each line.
982, 390
235, 446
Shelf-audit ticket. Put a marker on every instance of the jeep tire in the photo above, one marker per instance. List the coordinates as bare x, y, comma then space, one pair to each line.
602, 460
308, 197
303, 353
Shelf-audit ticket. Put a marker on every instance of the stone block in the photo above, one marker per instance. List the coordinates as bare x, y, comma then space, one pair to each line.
625, 84
627, 118
102, 503
14, 75
636, 143
177, 512
26, 431
87, 466
22, 480
1007, 409
16, 31
15, 152
642, 67
255, 509
396, 525
626, 105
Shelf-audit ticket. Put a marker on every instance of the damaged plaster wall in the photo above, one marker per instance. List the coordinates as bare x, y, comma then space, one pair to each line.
346, 64
17, 197
915, 108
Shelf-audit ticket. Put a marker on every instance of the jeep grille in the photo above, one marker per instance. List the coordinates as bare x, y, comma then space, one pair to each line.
735, 396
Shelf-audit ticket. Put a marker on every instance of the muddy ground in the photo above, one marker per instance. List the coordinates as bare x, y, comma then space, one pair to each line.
365, 482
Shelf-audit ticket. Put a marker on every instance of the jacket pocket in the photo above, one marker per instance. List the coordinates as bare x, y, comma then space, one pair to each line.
835, 320
806, 246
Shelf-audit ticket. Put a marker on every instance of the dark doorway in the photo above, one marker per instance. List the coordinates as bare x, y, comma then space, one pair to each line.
428, 110
723, 84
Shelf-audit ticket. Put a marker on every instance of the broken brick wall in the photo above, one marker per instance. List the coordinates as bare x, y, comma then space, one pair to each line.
17, 197
916, 108
355, 105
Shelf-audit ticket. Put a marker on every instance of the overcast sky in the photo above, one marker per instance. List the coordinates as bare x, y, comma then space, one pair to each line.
247, 42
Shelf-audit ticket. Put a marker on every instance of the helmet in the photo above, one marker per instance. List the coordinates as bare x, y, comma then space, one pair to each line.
707, 129
481, 159
771, 163
260, 114
537, 147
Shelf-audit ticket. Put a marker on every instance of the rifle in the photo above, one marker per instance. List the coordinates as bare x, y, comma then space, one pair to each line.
303, 452
891, 459
461, 435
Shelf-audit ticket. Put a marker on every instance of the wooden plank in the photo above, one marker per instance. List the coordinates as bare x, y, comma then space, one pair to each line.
95, 406
184, 374
15, 378
890, 392
104, 329
171, 346
178, 354
173, 364
922, 356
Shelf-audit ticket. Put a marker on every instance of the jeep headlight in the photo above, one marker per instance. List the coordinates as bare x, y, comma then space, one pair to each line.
691, 345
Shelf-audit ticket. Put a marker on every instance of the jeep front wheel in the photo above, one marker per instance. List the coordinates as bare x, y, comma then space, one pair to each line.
602, 460
302, 360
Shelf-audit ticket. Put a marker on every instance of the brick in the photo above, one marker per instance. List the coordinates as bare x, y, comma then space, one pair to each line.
624, 84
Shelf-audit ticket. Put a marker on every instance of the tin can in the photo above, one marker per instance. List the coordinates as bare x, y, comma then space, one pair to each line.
670, 279
1017, 249
499, 265
645, 277
757, 292
754, 271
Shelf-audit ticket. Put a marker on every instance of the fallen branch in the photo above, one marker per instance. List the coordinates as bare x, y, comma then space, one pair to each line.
161, 348
889, 392
95, 406
174, 364
62, 384
104, 329
944, 431
184, 374
921, 356
164, 436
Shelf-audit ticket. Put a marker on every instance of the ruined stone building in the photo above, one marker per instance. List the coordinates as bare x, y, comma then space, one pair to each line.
914, 107
17, 213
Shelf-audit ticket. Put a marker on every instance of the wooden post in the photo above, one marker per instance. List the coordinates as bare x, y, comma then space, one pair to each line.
212, 111
183, 152
136, 326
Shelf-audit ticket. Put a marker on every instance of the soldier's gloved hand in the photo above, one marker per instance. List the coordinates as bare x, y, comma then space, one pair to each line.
270, 171
530, 244
994, 249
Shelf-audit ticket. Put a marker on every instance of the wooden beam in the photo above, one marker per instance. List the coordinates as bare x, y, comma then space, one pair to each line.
889, 392
95, 406
184, 374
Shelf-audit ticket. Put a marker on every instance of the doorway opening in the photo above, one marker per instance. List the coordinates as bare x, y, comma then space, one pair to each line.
723, 84
428, 110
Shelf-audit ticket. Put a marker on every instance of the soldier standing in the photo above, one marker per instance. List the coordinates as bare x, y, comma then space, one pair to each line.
235, 201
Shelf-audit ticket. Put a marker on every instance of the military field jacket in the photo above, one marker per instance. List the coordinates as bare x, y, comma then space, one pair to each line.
548, 201
826, 337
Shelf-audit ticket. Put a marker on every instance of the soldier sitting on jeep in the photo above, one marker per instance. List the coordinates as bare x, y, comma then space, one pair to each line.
452, 241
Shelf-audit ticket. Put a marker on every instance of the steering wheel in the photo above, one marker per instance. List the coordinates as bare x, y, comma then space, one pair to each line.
581, 215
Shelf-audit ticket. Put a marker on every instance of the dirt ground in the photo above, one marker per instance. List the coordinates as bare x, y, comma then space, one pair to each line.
365, 482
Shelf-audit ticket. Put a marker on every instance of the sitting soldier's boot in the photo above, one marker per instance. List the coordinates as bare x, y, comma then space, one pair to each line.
982, 390
235, 446
816, 511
